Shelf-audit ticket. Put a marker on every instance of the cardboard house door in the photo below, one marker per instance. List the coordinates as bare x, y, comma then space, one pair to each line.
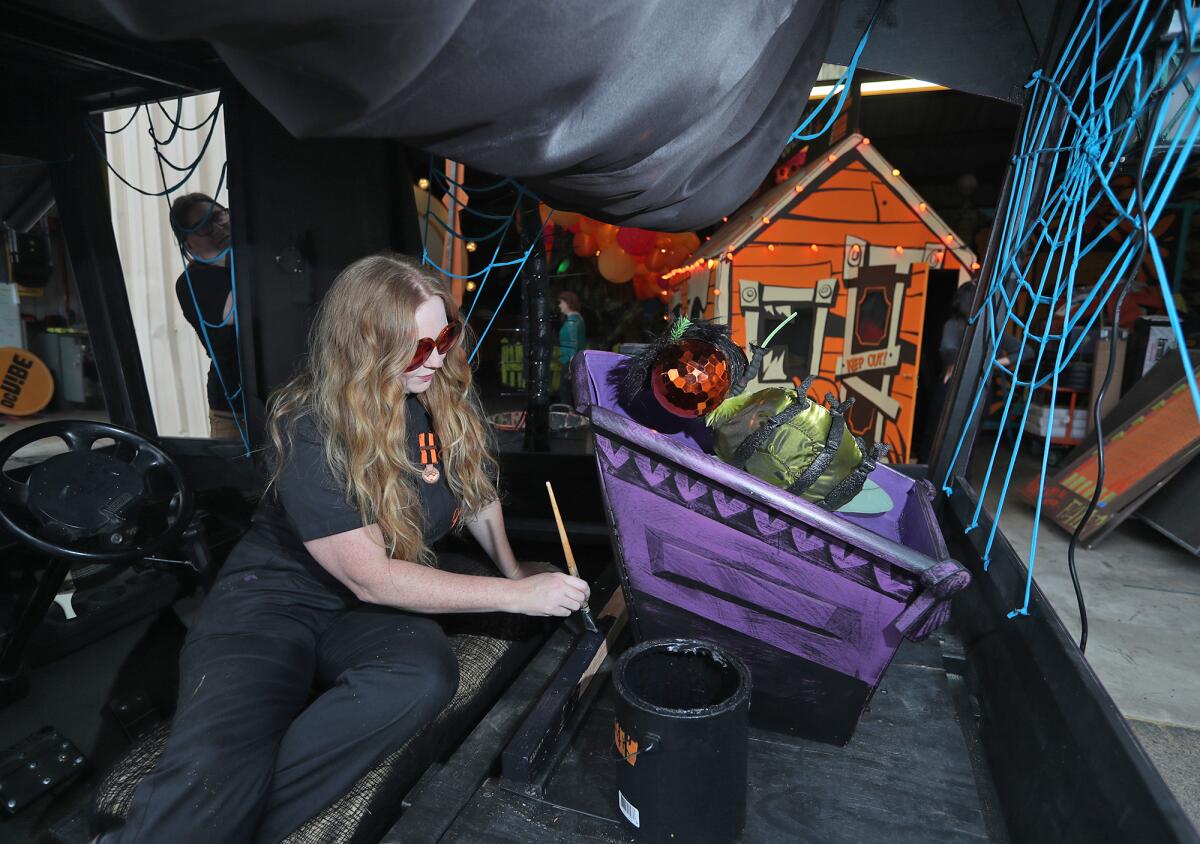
881, 347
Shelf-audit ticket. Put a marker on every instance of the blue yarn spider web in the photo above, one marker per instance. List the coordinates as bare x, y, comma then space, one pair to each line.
1092, 120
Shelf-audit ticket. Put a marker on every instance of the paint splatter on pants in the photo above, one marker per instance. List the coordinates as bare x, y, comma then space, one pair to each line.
252, 755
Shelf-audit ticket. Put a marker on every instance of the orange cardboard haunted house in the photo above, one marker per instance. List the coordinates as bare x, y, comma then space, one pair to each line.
847, 245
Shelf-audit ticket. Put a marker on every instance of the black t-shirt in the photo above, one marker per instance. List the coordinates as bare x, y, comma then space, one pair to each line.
212, 284
307, 502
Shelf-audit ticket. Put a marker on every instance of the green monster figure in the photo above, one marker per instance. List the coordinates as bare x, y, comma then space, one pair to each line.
777, 434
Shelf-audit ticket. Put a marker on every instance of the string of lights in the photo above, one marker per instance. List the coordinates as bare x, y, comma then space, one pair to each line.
747, 242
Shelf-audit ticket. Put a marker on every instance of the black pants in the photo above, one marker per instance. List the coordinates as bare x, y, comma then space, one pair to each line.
250, 758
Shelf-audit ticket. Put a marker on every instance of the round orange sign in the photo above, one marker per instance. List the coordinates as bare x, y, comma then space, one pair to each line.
26, 384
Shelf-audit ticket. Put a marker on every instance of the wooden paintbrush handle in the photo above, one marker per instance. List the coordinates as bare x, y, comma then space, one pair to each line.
562, 533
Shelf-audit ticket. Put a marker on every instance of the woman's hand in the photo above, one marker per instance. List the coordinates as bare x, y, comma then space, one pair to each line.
548, 593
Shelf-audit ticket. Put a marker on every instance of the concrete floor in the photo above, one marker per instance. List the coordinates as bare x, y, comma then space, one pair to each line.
1142, 594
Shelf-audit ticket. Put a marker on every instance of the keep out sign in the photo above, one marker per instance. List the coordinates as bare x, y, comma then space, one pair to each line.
26, 384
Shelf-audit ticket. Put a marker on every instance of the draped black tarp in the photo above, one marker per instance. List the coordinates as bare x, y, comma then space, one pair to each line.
658, 113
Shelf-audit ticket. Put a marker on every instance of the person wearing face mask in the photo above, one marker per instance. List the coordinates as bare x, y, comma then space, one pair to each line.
205, 294
378, 448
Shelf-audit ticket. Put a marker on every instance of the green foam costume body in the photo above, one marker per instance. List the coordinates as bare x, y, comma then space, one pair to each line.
786, 439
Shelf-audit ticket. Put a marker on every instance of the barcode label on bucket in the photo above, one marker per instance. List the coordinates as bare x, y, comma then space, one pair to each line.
629, 810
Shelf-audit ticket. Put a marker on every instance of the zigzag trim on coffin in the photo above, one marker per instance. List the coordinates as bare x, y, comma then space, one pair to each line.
633, 466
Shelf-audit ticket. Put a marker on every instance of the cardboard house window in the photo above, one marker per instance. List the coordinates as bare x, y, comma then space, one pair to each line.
794, 342
874, 313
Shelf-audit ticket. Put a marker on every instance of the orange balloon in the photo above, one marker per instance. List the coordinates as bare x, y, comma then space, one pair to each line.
616, 264
689, 241
606, 235
677, 256
564, 219
657, 261
588, 225
646, 287
585, 245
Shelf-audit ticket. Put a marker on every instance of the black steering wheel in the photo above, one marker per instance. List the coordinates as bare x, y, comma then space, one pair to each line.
110, 506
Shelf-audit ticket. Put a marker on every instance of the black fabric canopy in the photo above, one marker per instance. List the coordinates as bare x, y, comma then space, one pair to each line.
657, 113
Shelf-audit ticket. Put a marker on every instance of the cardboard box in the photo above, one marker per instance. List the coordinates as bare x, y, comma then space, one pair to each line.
1039, 422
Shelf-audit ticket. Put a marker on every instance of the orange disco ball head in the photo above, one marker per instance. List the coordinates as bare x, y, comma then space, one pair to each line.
690, 378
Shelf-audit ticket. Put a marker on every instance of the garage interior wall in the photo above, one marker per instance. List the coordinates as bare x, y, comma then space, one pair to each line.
173, 358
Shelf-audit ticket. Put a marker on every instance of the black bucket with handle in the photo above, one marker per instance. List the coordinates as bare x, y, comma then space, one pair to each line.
680, 737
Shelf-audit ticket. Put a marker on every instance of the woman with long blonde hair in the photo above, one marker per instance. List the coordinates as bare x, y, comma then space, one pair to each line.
379, 448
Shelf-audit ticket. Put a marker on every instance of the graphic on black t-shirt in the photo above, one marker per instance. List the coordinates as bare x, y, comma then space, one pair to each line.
309, 502
430, 474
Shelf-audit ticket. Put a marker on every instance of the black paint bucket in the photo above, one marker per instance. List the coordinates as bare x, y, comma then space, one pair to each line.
680, 737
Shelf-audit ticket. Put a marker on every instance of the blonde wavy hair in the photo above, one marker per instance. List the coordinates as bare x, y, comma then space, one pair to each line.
362, 340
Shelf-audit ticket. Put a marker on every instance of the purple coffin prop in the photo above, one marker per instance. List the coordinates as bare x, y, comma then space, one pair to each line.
816, 603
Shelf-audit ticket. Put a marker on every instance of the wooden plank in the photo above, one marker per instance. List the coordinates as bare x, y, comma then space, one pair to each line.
568, 692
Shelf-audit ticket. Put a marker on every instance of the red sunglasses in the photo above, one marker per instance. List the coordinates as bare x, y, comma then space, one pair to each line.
444, 342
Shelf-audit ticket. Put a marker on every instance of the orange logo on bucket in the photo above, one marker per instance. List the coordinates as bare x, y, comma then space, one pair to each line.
627, 746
